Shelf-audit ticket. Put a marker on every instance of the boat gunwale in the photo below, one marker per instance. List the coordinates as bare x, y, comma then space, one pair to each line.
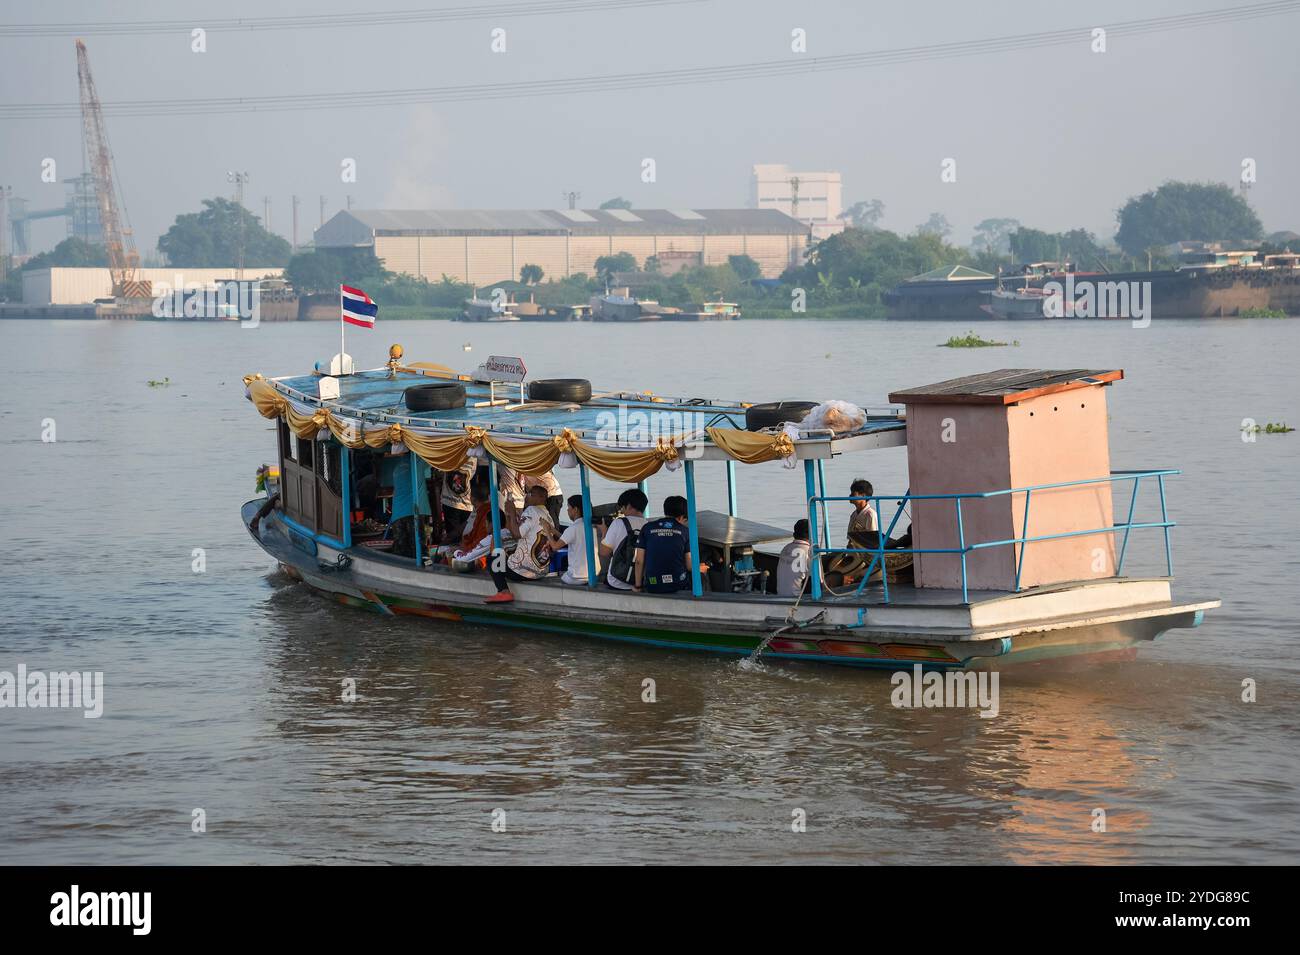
930, 599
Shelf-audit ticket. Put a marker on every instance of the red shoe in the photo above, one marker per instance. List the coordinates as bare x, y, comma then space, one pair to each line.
501, 597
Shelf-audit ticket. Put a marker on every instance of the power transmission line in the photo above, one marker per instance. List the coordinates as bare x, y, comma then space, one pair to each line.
654, 79
327, 20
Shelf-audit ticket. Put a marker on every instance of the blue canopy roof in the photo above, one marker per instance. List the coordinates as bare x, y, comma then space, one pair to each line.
375, 396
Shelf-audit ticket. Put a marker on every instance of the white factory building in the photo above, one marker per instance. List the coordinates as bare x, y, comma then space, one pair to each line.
814, 198
82, 286
484, 246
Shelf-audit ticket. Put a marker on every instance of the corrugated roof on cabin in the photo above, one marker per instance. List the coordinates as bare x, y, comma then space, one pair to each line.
1006, 386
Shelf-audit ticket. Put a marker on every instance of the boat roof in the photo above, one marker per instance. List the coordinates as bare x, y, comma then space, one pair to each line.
1006, 386
954, 273
374, 396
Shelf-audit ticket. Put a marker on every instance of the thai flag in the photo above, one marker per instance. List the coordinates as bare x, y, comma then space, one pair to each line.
358, 307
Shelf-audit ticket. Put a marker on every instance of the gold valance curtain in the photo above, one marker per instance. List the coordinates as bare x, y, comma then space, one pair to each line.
750, 447
448, 452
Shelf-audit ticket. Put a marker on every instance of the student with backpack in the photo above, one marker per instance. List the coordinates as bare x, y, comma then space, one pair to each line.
618, 549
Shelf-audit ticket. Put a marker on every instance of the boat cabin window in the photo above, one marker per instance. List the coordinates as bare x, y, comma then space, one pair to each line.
329, 468
286, 442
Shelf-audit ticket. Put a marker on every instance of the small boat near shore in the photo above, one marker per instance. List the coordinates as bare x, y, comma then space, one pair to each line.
1021, 304
620, 306
968, 568
555, 313
705, 312
496, 309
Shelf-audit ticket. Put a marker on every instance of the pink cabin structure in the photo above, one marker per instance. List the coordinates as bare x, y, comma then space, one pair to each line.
1008, 429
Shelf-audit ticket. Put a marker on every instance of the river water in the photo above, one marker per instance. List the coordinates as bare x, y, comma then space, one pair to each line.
222, 688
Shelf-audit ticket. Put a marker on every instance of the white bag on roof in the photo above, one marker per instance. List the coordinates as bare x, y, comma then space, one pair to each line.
836, 416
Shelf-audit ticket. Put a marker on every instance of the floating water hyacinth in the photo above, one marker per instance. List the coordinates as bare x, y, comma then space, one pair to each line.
971, 340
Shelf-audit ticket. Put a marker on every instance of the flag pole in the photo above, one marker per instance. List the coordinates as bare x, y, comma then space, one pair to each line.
342, 328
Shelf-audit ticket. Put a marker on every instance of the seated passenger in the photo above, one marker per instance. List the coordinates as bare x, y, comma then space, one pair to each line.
577, 540
663, 551
901, 543
792, 566
531, 558
477, 527
864, 529
615, 554
554, 493
457, 507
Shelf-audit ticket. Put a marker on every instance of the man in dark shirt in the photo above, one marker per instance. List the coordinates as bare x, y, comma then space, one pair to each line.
663, 551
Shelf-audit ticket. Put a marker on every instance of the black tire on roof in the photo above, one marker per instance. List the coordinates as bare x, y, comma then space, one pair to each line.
774, 413
436, 396
560, 389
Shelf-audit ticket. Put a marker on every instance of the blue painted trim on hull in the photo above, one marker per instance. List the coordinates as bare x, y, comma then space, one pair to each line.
307, 532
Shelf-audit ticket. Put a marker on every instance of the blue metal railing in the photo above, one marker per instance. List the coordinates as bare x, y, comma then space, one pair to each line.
879, 552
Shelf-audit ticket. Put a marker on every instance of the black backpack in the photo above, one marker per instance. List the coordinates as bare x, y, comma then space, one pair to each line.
622, 563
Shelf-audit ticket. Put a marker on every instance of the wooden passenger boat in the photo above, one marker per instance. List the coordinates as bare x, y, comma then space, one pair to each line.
1016, 551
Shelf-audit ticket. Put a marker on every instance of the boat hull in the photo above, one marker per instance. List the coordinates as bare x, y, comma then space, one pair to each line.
730, 624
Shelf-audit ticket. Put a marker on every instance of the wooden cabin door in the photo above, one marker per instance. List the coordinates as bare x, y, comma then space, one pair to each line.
329, 487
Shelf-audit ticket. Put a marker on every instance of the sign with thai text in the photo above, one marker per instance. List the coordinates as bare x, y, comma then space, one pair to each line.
501, 368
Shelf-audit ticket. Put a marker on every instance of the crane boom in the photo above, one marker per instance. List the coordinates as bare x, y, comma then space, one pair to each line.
123, 259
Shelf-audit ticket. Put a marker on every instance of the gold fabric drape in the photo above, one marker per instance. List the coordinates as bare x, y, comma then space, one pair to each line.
625, 467
749, 447
448, 452
526, 457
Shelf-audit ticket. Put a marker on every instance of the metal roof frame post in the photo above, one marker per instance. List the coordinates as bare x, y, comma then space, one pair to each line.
414, 466
345, 484
496, 509
588, 528
810, 487
693, 530
826, 515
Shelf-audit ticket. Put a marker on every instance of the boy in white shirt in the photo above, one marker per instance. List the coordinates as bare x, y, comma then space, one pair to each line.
863, 519
632, 503
577, 540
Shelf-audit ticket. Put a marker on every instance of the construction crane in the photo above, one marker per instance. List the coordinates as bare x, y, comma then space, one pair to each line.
123, 259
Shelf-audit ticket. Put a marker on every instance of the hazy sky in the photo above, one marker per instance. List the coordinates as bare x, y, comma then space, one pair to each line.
1056, 137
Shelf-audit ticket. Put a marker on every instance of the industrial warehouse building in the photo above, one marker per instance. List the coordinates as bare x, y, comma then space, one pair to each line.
484, 246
